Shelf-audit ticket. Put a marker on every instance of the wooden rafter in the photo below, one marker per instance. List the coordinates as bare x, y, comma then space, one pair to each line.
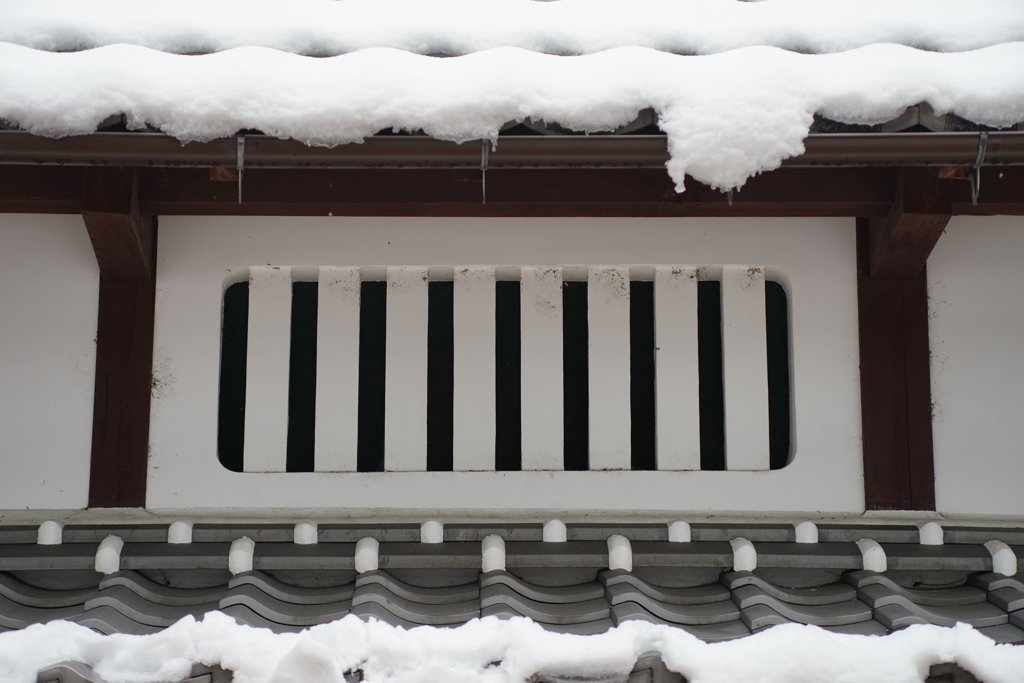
121, 237
901, 241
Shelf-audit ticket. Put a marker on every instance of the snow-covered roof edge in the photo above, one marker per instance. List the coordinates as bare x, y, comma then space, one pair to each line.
727, 116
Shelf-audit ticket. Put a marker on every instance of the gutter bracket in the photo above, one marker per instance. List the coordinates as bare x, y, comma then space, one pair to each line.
485, 151
975, 172
240, 164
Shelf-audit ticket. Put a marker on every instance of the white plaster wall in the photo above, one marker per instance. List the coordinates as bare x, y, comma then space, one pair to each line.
49, 287
976, 327
816, 255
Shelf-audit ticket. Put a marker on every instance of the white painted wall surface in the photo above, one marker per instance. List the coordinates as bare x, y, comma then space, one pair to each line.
813, 257
976, 329
49, 288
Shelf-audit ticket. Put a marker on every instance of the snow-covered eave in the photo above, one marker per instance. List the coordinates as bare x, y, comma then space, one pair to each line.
727, 116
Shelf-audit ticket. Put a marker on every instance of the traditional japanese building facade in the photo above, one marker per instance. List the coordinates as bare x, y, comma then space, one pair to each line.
523, 375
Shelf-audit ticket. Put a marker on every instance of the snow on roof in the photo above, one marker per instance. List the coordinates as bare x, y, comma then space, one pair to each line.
491, 650
327, 27
728, 115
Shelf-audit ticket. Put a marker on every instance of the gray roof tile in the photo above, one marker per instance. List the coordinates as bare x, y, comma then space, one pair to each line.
544, 612
978, 614
834, 614
14, 615
31, 596
415, 612
761, 616
696, 595
425, 596
138, 608
161, 595
863, 602
292, 594
557, 594
707, 613
822, 595
282, 612
108, 620
947, 597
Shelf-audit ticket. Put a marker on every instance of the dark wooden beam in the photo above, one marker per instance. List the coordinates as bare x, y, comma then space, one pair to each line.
902, 240
125, 244
40, 189
899, 472
121, 237
567, 192
612, 192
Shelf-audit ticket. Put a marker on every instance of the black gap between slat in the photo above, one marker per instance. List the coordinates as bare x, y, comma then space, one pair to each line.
233, 350
508, 433
302, 378
777, 321
440, 375
575, 378
712, 392
372, 335
641, 375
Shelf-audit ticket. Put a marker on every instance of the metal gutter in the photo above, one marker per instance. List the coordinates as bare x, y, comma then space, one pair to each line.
512, 152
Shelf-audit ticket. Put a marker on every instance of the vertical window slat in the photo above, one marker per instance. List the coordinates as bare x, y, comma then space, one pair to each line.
405, 407
678, 367
474, 375
608, 360
337, 369
266, 391
745, 368
541, 349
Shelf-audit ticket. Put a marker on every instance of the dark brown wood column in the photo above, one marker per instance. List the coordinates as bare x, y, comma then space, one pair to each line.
125, 245
892, 289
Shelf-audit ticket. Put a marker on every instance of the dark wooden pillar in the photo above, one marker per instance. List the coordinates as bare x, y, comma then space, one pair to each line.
125, 245
892, 289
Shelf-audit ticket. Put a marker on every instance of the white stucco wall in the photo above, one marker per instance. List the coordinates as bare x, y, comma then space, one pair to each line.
976, 303
816, 257
49, 286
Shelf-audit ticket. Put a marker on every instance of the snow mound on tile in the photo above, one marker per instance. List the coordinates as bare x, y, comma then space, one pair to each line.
727, 116
490, 650
325, 27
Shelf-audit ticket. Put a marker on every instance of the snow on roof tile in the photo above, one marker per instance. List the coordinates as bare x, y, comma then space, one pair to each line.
328, 27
